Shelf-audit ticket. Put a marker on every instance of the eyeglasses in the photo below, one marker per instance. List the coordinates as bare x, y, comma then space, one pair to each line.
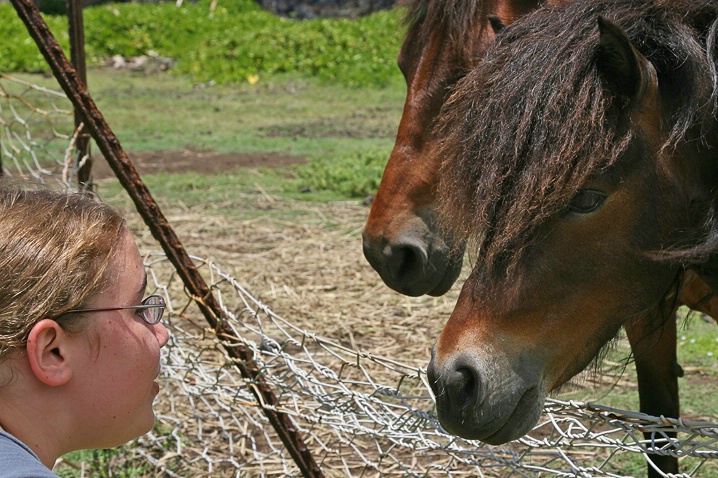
152, 309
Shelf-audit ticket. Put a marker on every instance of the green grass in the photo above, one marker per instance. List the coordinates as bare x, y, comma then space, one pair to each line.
344, 133
118, 462
697, 339
293, 116
105, 463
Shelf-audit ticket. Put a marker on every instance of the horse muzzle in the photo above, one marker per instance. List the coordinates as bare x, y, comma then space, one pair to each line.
416, 263
480, 398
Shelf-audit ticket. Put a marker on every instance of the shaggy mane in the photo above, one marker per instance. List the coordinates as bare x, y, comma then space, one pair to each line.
528, 126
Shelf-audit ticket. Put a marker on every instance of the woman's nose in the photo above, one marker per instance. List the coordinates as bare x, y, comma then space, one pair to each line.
161, 333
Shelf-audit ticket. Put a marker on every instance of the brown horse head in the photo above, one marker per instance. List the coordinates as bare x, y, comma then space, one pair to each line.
402, 240
580, 167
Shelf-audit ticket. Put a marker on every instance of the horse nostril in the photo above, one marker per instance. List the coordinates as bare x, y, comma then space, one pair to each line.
404, 261
462, 387
401, 260
407, 260
456, 384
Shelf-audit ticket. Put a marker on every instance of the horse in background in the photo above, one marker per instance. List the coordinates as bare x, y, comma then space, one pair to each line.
444, 40
581, 167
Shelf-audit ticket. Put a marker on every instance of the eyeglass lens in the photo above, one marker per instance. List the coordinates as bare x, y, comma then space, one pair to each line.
153, 315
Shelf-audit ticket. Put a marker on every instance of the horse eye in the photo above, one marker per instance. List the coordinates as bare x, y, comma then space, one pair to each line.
586, 201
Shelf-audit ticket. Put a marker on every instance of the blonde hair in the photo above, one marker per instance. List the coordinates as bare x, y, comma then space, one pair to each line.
55, 250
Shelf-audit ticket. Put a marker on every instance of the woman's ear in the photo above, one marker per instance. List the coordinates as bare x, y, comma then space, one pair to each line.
47, 352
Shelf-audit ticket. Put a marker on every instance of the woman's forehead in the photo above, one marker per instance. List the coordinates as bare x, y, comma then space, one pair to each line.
126, 274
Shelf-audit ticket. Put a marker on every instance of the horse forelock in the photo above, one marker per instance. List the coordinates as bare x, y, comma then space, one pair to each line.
455, 20
526, 128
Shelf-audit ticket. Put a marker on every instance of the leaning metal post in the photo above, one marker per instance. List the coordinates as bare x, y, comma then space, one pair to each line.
77, 56
125, 171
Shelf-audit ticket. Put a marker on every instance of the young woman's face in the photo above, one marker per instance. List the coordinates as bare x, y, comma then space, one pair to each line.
116, 383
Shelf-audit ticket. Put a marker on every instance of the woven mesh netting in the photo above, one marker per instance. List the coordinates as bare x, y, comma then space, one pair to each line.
360, 409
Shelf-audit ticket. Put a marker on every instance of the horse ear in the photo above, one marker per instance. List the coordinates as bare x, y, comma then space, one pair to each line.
621, 65
496, 24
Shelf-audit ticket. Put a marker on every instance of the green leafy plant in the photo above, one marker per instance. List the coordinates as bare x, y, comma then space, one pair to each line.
354, 175
237, 42
21, 54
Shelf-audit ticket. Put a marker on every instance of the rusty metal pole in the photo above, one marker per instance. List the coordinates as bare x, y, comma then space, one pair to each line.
77, 56
125, 171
